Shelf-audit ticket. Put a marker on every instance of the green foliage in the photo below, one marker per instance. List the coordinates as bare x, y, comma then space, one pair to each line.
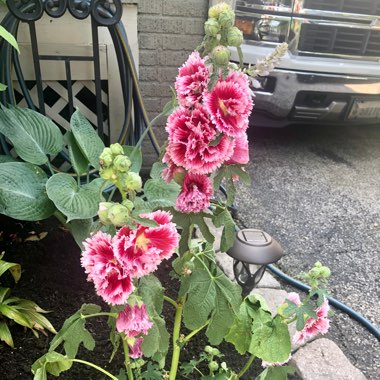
73, 201
276, 373
223, 218
22, 192
33, 135
52, 363
74, 332
89, 142
21, 311
77, 158
257, 332
8, 37
135, 156
81, 229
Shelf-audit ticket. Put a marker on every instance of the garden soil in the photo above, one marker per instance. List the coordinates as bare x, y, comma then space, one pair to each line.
53, 278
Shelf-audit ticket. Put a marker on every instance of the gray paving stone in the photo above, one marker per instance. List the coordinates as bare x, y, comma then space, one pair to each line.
324, 360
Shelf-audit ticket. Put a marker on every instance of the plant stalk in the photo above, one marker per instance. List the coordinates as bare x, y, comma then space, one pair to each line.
96, 367
176, 333
188, 337
114, 315
246, 367
127, 361
171, 301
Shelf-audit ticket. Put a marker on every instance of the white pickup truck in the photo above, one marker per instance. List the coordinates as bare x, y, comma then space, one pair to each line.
331, 72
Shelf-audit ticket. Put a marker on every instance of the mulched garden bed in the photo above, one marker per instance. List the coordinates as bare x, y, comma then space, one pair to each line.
53, 278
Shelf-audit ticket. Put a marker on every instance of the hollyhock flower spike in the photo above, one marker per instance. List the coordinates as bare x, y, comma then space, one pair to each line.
112, 282
241, 151
313, 326
230, 104
141, 250
194, 143
196, 193
191, 81
133, 320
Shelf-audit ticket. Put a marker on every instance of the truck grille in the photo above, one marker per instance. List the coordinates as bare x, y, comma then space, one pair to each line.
331, 39
366, 7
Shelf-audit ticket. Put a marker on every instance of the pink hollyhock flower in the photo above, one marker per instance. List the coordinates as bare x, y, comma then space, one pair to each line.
111, 281
313, 326
230, 104
141, 250
172, 170
133, 320
241, 151
192, 79
194, 142
196, 193
295, 298
135, 351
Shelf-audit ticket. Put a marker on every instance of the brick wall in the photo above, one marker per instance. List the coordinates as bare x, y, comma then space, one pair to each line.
169, 30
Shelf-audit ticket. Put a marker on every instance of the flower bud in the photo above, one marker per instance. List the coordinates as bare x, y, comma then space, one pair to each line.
128, 204
122, 163
118, 215
234, 36
105, 159
208, 349
215, 351
116, 149
212, 27
104, 207
133, 181
106, 173
221, 55
214, 11
213, 366
226, 19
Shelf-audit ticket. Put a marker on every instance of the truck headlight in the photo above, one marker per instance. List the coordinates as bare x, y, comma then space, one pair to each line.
264, 28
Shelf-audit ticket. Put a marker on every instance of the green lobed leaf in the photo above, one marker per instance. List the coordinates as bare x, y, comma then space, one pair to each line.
152, 293
276, 373
33, 135
22, 192
157, 339
5, 334
53, 363
72, 201
9, 38
135, 156
223, 218
40, 374
87, 139
157, 169
77, 158
157, 189
72, 334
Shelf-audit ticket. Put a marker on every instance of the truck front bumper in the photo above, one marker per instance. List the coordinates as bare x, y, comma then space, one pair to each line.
289, 96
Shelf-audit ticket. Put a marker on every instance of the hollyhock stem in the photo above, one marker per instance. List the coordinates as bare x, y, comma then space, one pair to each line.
188, 337
127, 361
96, 367
176, 333
171, 301
114, 315
246, 367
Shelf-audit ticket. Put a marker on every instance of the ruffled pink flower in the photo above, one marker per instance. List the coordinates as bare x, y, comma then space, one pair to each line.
230, 104
196, 193
141, 250
241, 151
112, 282
194, 142
135, 351
172, 169
133, 320
294, 297
313, 326
191, 81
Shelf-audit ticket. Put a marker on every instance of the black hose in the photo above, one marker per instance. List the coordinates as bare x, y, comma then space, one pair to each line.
339, 305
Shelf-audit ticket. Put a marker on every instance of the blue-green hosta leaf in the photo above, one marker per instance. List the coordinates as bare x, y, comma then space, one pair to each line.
135, 156
77, 158
33, 135
74, 202
81, 229
88, 140
6, 158
23, 193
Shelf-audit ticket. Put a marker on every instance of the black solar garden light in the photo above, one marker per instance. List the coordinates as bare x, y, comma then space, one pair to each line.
251, 248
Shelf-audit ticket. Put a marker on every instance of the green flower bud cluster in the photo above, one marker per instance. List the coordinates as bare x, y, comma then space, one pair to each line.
116, 214
112, 162
319, 273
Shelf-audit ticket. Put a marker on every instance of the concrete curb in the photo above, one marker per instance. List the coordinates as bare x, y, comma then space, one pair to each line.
318, 359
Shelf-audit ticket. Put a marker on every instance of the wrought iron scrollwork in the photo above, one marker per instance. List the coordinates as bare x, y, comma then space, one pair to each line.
106, 12
55, 8
26, 10
80, 9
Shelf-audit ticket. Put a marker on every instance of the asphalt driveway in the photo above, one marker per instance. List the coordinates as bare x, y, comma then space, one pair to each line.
317, 191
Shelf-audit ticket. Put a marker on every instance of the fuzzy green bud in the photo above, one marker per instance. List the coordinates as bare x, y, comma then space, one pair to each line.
226, 18
128, 204
118, 215
213, 366
221, 55
107, 173
122, 163
105, 159
215, 11
133, 181
234, 36
208, 349
212, 27
116, 149
215, 352
104, 208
